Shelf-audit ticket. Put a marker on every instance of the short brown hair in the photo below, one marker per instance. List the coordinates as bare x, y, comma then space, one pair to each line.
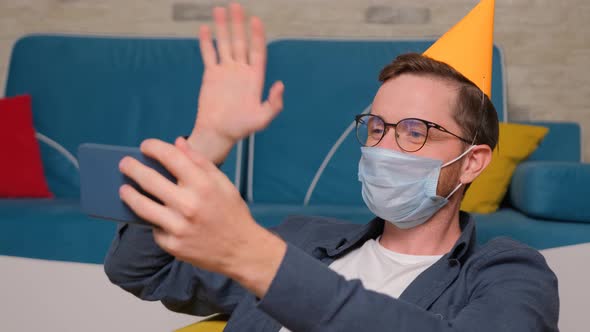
478, 121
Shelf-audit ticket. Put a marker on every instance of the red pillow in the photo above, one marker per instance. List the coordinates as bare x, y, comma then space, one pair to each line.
21, 170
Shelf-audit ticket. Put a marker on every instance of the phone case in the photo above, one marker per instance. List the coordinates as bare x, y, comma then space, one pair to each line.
100, 180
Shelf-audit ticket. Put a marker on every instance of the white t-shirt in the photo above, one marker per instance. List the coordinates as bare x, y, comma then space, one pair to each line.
380, 269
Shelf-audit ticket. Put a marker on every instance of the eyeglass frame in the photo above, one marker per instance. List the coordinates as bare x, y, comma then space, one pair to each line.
386, 125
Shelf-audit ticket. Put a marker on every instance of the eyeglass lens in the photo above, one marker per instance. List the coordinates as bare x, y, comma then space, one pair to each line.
410, 134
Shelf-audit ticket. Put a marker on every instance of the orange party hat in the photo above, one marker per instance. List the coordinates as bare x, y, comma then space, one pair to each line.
468, 46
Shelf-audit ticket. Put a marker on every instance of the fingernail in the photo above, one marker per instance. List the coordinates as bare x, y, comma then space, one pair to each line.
122, 164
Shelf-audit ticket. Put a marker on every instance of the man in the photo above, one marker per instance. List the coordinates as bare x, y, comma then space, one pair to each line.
416, 267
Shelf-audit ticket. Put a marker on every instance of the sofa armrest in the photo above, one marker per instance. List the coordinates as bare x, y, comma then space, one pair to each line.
552, 190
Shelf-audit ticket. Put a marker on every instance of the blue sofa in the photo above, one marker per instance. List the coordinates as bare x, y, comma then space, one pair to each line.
115, 90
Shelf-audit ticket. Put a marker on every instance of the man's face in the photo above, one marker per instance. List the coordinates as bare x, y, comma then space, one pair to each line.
431, 99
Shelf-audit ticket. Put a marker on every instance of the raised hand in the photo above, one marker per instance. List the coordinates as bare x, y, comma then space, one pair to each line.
230, 101
202, 219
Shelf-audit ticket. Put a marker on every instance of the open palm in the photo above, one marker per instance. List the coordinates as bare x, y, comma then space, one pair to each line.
230, 101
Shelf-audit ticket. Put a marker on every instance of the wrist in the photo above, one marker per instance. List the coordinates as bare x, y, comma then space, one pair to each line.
210, 144
257, 261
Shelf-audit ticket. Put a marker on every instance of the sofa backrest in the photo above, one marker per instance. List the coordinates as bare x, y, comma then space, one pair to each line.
327, 82
121, 90
108, 90
563, 142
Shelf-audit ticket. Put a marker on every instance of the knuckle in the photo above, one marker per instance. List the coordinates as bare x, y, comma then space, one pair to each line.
207, 189
141, 174
173, 245
169, 155
183, 231
143, 210
180, 161
188, 209
160, 239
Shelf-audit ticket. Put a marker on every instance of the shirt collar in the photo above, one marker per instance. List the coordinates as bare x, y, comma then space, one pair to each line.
374, 229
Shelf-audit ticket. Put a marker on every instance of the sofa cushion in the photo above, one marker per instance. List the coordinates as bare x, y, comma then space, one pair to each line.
537, 233
52, 229
21, 170
552, 190
516, 143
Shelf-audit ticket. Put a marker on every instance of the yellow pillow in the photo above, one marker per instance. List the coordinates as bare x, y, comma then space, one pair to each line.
517, 142
213, 324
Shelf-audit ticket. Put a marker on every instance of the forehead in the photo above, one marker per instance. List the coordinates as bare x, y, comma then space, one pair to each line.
412, 96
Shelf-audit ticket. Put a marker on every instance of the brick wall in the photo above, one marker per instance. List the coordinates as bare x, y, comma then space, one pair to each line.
546, 43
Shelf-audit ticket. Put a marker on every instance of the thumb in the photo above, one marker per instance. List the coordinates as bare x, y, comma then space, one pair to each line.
274, 104
275, 96
194, 156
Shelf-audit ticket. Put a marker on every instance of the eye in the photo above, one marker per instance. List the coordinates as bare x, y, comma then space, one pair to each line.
416, 134
375, 126
375, 130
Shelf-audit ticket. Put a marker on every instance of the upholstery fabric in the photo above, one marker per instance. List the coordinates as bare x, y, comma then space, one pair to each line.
516, 143
53, 229
537, 233
106, 90
552, 190
21, 169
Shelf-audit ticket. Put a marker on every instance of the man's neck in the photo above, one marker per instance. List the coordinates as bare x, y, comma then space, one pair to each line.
437, 236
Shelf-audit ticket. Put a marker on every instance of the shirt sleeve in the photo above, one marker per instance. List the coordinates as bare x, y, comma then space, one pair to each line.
138, 265
514, 291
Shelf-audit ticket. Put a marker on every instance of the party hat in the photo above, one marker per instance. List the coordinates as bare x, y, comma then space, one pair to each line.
468, 46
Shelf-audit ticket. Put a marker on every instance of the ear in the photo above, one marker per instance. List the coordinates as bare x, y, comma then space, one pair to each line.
475, 162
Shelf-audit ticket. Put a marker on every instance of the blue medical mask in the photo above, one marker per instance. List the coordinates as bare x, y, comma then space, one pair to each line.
400, 187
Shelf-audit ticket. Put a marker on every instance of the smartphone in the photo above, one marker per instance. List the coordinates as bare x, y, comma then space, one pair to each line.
100, 180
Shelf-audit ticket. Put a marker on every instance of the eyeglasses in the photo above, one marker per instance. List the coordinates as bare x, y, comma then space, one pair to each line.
410, 134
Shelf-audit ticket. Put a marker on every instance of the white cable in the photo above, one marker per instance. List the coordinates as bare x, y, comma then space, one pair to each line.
328, 157
58, 147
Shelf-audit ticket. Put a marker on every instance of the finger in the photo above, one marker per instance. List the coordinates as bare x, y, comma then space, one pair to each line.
257, 45
275, 97
274, 104
150, 180
165, 240
194, 156
149, 210
238, 33
178, 164
206, 44
223, 46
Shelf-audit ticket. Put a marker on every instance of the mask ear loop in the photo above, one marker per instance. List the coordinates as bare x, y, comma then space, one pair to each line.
459, 157
454, 190
481, 110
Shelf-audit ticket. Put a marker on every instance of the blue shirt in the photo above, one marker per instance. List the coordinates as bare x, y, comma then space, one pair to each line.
500, 286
